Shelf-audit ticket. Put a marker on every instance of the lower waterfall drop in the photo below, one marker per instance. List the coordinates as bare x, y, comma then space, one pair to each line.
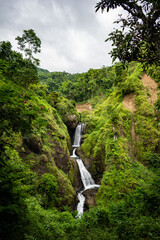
86, 177
80, 205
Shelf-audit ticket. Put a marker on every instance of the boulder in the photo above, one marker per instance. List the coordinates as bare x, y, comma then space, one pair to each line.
71, 120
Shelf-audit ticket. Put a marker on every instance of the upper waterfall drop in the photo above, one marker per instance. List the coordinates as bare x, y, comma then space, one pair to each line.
78, 135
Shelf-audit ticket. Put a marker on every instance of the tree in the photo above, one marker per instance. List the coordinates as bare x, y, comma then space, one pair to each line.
13, 66
5, 50
29, 43
139, 37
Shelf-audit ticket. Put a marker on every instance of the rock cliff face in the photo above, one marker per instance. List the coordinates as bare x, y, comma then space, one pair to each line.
76, 178
71, 121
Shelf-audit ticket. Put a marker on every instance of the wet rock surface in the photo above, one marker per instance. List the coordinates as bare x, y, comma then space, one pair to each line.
90, 197
76, 182
86, 161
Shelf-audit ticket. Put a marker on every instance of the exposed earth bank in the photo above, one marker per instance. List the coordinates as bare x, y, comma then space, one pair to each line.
84, 107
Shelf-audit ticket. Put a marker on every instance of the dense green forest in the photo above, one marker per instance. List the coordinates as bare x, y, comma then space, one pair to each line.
38, 179
79, 87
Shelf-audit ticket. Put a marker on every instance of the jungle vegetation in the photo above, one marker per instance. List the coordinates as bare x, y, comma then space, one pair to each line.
37, 195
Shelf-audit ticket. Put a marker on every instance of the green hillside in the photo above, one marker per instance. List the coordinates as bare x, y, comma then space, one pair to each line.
39, 181
38, 200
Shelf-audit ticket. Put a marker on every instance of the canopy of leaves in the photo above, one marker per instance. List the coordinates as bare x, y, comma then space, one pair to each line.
139, 37
79, 87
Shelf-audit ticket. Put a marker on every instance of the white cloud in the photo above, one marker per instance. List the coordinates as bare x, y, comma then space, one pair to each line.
72, 34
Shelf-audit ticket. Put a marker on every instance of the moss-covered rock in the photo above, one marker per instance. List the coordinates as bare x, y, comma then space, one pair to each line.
34, 143
40, 136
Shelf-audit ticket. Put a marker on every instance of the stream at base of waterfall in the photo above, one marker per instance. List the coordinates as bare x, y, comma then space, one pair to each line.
86, 177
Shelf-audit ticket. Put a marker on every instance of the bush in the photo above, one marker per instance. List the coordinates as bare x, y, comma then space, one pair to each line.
48, 187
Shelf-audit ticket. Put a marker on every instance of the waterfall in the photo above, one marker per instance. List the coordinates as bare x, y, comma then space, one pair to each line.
80, 205
86, 177
74, 153
77, 136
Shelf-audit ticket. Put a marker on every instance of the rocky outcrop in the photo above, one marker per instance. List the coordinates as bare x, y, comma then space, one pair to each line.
76, 178
90, 197
71, 120
87, 161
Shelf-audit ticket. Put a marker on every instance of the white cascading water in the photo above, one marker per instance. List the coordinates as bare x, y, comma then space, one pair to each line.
74, 153
77, 136
80, 205
86, 177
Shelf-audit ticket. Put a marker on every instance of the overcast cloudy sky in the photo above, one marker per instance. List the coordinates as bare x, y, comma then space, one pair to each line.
72, 34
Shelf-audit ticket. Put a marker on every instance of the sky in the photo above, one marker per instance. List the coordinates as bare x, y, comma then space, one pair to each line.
72, 34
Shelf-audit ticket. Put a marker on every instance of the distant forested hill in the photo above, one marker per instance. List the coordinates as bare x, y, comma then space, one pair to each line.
81, 86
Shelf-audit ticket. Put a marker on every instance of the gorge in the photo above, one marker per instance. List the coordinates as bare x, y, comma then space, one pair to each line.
86, 177
40, 183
